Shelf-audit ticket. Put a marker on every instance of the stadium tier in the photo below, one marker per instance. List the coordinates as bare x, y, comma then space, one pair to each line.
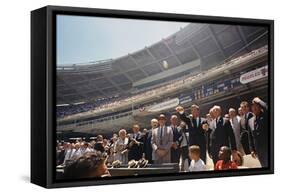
239, 78
195, 48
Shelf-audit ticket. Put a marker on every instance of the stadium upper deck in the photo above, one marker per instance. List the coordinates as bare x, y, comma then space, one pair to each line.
195, 48
239, 65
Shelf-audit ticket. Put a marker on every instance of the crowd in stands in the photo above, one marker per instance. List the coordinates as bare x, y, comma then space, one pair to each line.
165, 89
186, 138
70, 109
66, 110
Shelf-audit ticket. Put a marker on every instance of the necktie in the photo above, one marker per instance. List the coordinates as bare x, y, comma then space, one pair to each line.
161, 133
216, 122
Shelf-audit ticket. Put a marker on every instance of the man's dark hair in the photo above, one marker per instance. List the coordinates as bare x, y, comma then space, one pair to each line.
84, 166
99, 147
244, 103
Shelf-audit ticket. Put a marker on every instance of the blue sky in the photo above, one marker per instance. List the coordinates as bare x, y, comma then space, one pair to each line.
84, 39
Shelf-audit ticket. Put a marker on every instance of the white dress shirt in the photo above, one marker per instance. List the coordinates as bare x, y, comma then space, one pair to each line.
198, 165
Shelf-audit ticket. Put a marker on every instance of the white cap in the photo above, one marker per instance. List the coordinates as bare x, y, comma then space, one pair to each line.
257, 100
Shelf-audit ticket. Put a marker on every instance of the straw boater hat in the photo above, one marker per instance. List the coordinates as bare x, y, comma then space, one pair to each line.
142, 163
116, 164
132, 164
162, 116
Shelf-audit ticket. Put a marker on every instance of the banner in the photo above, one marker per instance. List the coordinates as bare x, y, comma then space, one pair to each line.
254, 75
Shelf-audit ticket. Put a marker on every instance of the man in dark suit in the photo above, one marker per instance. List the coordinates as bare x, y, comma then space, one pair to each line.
221, 135
135, 144
259, 136
245, 128
197, 135
175, 151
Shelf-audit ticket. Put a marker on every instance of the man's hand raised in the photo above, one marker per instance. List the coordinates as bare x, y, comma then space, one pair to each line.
179, 109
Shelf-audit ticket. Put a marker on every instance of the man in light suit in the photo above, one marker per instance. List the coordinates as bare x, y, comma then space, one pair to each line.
162, 140
235, 123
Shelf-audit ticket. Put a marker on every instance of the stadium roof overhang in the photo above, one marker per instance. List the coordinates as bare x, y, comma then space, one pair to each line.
200, 45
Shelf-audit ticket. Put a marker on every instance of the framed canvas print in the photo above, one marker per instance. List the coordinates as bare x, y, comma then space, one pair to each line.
126, 96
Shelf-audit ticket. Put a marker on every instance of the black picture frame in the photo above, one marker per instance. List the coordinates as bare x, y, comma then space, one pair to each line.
43, 93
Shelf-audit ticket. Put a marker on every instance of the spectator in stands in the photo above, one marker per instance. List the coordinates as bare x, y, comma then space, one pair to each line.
86, 166
162, 140
136, 141
225, 162
196, 163
175, 151
121, 147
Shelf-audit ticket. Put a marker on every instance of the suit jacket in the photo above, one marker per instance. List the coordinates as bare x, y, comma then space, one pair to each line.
259, 136
176, 134
244, 122
196, 133
165, 142
135, 151
222, 135
147, 146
